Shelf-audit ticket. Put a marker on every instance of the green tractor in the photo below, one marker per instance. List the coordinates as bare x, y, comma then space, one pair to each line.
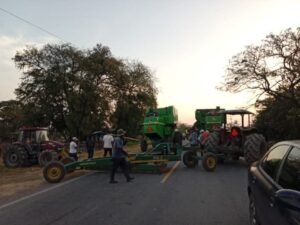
229, 140
158, 126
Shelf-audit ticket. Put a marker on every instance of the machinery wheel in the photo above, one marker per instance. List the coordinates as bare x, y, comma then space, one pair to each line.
254, 147
54, 172
212, 142
23, 157
209, 162
190, 159
11, 157
45, 157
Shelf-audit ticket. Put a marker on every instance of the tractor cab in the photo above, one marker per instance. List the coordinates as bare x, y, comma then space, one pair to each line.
33, 135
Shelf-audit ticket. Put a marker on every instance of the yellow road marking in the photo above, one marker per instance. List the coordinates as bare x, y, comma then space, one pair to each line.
170, 172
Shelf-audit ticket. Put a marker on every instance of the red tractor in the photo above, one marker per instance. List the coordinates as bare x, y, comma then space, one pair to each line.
33, 146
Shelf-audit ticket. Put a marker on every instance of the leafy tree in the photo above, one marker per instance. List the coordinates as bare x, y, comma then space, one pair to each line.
271, 69
79, 91
278, 120
134, 92
11, 118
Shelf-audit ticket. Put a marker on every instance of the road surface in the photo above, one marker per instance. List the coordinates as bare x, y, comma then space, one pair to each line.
186, 197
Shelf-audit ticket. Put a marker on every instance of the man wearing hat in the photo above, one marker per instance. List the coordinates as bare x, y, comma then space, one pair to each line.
118, 157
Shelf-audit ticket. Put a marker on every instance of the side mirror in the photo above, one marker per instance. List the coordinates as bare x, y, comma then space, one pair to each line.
288, 199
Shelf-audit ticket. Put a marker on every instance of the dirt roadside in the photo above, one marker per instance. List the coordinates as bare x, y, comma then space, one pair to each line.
19, 182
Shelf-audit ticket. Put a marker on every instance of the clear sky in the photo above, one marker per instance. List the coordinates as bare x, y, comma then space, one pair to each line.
187, 44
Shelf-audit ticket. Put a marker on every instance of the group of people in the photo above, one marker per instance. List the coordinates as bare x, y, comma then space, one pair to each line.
112, 146
193, 138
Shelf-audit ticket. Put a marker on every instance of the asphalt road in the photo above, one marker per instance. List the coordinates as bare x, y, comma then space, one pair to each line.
187, 197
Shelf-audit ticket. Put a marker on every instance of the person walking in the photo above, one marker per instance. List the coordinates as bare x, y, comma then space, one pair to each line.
118, 158
73, 148
90, 146
108, 141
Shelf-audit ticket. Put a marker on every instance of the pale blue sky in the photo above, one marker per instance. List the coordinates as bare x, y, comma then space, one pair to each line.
187, 44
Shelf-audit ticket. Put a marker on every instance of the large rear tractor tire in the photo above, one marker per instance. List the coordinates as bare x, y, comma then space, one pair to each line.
54, 172
212, 142
46, 156
190, 159
209, 162
254, 147
11, 157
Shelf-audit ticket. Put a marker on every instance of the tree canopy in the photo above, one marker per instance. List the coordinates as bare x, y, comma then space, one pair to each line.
80, 91
272, 71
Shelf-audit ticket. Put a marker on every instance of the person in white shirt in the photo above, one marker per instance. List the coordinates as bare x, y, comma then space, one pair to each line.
73, 148
108, 141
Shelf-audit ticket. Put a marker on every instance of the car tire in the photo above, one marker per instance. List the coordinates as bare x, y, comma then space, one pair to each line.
254, 147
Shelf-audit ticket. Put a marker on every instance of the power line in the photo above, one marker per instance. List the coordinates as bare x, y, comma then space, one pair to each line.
32, 24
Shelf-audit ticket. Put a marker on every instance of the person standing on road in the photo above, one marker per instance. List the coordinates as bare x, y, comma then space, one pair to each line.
90, 146
108, 141
118, 158
73, 148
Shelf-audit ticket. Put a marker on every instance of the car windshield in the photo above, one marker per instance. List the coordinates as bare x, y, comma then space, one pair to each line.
42, 135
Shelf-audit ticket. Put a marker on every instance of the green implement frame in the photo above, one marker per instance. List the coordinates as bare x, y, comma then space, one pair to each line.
153, 161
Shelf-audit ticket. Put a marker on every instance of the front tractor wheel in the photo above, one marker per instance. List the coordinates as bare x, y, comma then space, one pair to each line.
54, 172
190, 159
209, 162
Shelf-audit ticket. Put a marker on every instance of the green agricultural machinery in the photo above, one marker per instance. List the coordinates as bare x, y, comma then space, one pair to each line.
227, 138
153, 161
158, 126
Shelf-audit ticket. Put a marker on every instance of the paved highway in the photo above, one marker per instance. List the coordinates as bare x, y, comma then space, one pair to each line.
186, 197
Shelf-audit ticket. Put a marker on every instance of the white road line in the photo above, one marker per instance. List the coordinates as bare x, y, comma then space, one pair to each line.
170, 172
43, 191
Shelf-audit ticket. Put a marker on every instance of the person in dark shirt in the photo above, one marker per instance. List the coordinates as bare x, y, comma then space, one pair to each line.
90, 146
118, 158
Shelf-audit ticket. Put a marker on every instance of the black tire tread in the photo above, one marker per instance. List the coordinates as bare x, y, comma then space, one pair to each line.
254, 147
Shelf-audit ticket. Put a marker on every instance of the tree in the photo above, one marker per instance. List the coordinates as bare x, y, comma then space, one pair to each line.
278, 120
134, 92
11, 118
79, 91
271, 69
